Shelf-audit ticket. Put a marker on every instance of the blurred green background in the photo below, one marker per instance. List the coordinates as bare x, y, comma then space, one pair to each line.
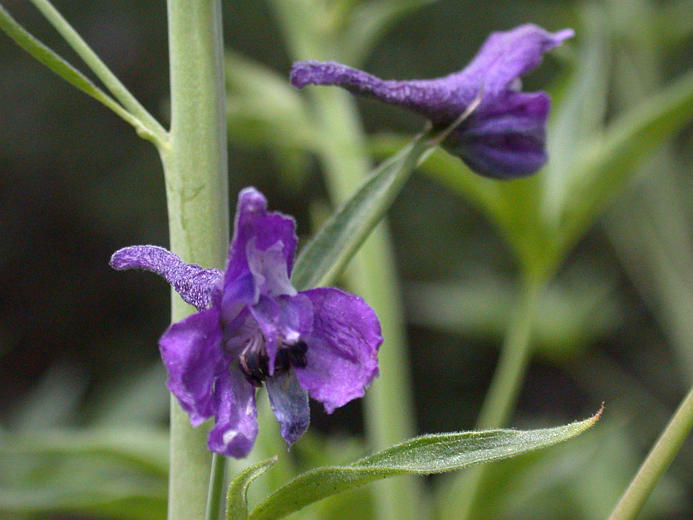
78, 340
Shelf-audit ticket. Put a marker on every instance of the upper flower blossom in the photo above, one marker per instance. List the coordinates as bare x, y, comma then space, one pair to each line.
253, 327
505, 136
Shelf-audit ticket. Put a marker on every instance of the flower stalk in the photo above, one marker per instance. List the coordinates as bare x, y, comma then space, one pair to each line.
657, 461
503, 392
388, 403
195, 168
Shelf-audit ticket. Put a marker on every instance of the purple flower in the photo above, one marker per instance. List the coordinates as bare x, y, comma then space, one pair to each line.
253, 327
505, 136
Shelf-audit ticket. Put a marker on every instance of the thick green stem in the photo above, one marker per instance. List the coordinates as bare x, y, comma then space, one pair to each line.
657, 462
500, 399
371, 274
197, 194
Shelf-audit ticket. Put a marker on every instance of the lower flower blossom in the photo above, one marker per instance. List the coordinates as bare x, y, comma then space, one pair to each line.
505, 135
253, 328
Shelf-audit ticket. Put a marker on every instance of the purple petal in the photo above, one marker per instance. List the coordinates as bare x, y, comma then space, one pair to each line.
290, 405
191, 350
262, 242
235, 430
283, 321
342, 348
269, 269
509, 143
506, 56
197, 286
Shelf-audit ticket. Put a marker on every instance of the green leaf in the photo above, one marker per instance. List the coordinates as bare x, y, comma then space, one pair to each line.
571, 316
236, 499
263, 109
419, 456
606, 164
579, 114
141, 449
62, 68
324, 257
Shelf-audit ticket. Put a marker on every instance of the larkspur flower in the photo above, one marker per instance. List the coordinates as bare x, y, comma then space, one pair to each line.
505, 135
253, 327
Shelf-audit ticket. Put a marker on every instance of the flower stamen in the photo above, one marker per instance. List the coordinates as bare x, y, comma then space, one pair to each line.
254, 361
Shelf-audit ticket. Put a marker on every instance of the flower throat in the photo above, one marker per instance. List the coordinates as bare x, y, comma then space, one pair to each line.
254, 360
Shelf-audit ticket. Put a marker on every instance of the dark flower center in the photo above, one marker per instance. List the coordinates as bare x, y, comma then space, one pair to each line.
254, 361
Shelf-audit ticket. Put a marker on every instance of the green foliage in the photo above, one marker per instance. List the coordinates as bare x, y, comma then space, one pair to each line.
326, 255
420, 456
236, 500
50, 59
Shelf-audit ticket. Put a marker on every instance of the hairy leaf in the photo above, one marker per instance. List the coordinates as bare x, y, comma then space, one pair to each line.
236, 499
419, 456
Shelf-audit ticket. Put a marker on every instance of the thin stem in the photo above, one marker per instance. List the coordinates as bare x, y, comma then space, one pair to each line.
371, 274
216, 487
512, 365
501, 397
110, 81
197, 195
657, 462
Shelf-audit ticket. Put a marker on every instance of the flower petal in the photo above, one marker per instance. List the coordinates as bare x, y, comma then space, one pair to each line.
269, 269
290, 405
191, 350
196, 285
236, 427
505, 56
342, 348
257, 231
509, 143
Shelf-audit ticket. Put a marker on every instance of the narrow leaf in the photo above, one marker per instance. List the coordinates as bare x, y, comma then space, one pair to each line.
59, 66
141, 449
236, 499
419, 456
580, 114
324, 257
610, 161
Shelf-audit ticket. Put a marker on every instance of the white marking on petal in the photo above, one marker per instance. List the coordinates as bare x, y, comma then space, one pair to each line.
292, 337
269, 269
229, 436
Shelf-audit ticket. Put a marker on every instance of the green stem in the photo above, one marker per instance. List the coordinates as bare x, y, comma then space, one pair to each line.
501, 397
216, 487
371, 274
512, 364
112, 83
197, 195
657, 462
